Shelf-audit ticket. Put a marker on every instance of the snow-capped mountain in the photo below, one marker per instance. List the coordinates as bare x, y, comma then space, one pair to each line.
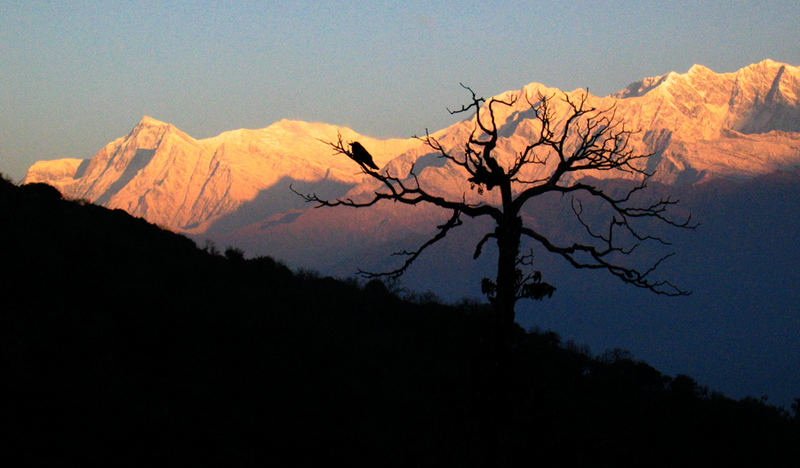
167, 177
698, 125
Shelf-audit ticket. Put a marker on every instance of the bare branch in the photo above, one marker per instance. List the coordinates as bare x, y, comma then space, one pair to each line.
340, 147
479, 247
626, 274
476, 102
453, 222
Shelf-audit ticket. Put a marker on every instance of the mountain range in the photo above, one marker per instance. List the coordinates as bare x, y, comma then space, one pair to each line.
698, 126
727, 144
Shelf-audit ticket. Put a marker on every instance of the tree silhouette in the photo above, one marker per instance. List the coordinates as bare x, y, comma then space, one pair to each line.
563, 152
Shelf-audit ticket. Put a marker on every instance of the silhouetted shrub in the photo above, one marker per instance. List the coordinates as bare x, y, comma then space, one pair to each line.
796, 409
234, 254
41, 189
376, 289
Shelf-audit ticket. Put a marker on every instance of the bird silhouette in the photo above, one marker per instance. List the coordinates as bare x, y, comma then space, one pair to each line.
360, 155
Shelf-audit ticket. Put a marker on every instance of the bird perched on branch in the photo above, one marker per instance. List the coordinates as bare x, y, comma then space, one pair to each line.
360, 155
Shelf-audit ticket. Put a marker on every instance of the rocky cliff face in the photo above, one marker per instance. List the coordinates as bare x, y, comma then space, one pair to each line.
698, 126
702, 125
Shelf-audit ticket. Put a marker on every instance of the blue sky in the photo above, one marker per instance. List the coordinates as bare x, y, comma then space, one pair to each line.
75, 75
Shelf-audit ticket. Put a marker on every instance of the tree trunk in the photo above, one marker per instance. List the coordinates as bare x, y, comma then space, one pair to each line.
509, 232
508, 238
496, 408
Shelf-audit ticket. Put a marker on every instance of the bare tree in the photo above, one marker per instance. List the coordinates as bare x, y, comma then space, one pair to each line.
586, 139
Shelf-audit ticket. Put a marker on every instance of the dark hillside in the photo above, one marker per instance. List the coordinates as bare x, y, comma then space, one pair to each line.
125, 345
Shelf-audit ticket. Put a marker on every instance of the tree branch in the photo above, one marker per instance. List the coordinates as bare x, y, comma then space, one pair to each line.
626, 274
451, 223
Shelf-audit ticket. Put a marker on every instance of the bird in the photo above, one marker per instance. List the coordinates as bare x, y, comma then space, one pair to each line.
360, 155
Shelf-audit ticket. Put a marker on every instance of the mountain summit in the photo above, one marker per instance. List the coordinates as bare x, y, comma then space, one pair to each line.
698, 126
756, 99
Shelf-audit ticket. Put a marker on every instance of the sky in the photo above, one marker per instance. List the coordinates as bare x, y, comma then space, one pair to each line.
75, 75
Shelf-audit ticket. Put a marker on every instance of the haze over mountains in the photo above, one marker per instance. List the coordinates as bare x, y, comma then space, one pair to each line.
716, 139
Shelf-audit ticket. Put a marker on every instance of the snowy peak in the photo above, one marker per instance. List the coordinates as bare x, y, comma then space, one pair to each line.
759, 98
148, 121
763, 82
640, 88
150, 132
765, 98
698, 69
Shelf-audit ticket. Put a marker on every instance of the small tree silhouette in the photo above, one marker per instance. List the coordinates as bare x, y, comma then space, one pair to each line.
566, 147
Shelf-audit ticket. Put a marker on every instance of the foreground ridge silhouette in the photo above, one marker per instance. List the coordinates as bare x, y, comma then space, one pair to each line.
124, 344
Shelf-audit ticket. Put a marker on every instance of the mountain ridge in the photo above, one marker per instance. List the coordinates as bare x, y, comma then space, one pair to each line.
164, 175
698, 125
